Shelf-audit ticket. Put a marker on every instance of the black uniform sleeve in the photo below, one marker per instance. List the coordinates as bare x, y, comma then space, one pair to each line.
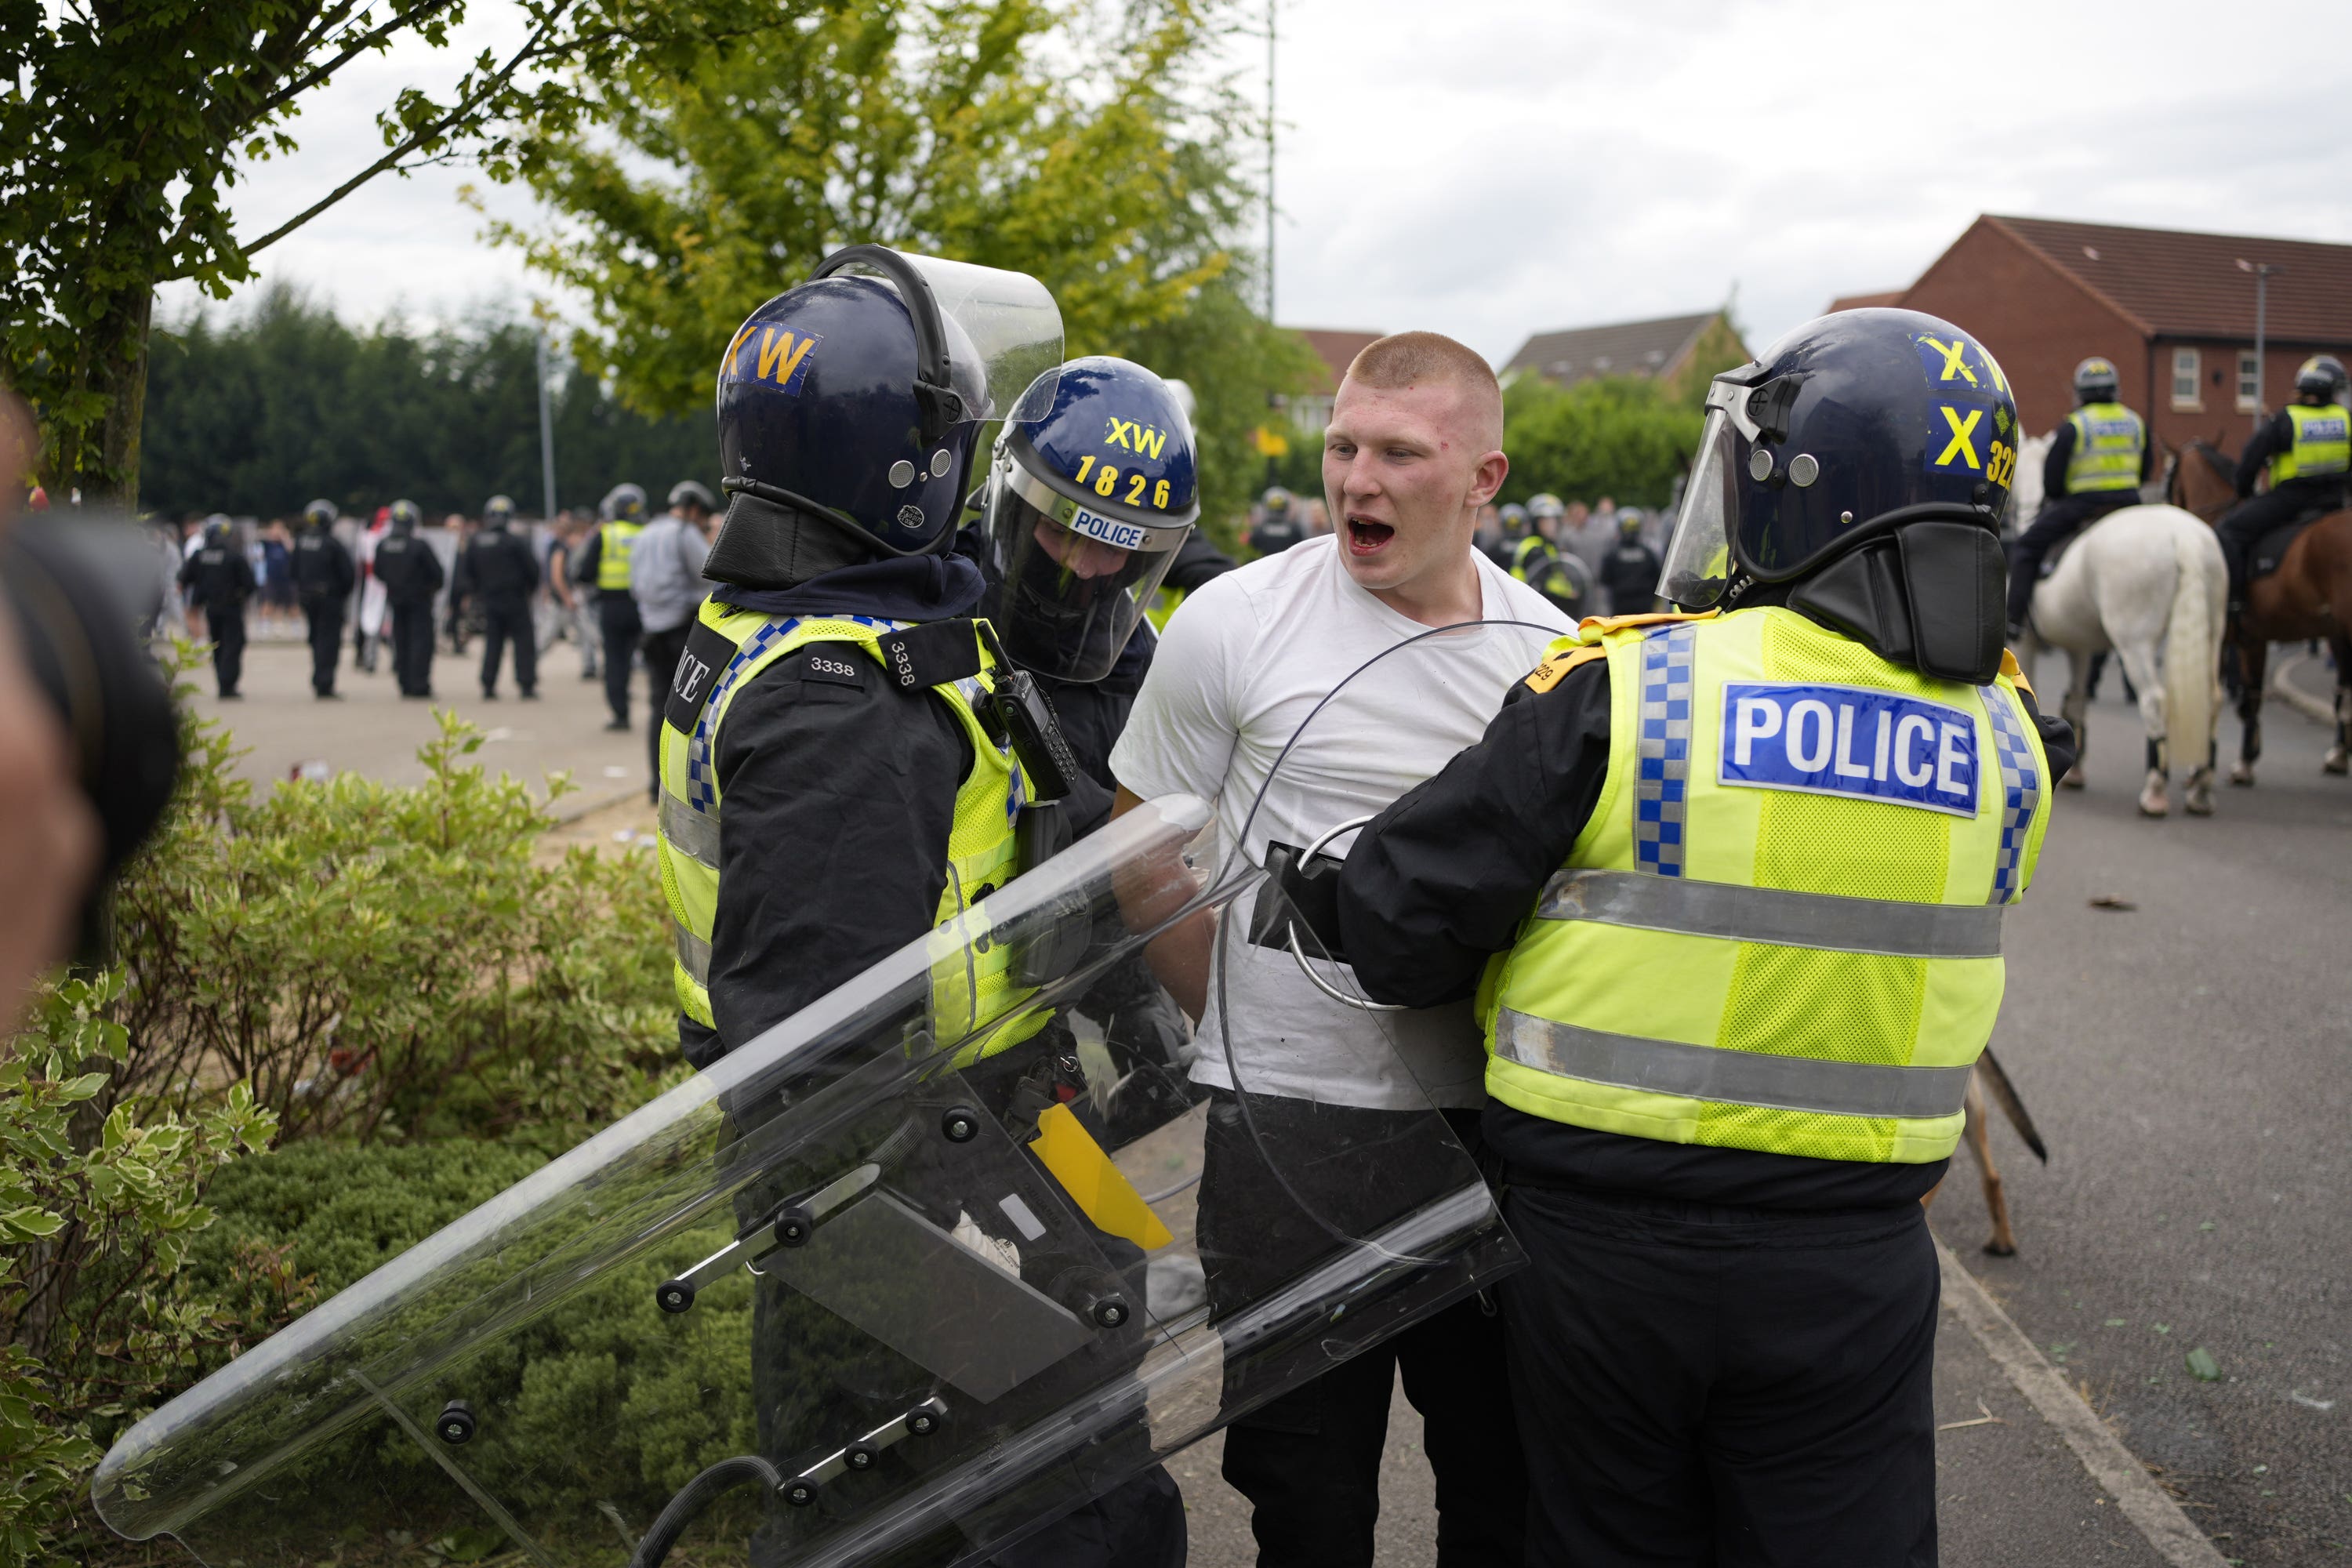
346, 572
584, 561
2053, 464
466, 578
837, 800
2147, 460
1198, 561
1441, 879
242, 585
433, 575
2275, 435
2057, 739
187, 570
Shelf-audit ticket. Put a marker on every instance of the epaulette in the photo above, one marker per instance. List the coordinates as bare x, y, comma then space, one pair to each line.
1556, 666
935, 653
2010, 667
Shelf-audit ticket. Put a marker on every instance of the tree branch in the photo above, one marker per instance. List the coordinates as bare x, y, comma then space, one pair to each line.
534, 48
318, 74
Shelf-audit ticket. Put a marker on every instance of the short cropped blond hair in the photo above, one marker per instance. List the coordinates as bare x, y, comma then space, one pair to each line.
1409, 359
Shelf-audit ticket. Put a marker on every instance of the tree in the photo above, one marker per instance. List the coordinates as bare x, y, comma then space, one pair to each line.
257, 414
1625, 437
959, 127
124, 126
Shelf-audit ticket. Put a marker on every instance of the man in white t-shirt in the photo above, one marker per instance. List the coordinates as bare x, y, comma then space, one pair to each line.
1412, 452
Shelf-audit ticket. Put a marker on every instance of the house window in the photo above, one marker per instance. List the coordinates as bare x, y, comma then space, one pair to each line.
2249, 381
2184, 379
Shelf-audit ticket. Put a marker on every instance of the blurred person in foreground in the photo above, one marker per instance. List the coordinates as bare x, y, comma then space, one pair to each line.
1412, 452
495, 575
666, 576
1728, 885
324, 576
220, 580
87, 763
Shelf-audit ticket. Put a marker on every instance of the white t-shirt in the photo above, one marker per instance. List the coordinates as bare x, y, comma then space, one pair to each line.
1241, 665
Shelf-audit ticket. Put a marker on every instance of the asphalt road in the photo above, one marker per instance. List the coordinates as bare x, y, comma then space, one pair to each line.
2190, 1063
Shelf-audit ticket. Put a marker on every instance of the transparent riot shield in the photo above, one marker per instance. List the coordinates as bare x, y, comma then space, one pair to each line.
911, 1275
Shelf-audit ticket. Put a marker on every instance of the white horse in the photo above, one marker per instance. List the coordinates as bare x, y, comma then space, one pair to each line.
2148, 582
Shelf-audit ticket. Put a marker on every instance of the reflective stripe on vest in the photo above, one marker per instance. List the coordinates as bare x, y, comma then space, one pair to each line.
969, 988
1525, 551
2322, 446
613, 555
1779, 928
2109, 440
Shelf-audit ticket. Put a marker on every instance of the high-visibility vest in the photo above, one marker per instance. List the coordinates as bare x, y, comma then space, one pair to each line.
2109, 441
1780, 928
1164, 601
613, 555
2322, 444
1525, 553
971, 986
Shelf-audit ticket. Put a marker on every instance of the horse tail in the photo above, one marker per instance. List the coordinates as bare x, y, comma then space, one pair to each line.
2192, 652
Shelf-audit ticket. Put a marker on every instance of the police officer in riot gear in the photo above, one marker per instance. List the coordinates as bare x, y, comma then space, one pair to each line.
496, 572
323, 579
603, 563
2098, 458
2305, 449
220, 580
411, 575
1279, 523
1739, 958
847, 760
1630, 572
1513, 519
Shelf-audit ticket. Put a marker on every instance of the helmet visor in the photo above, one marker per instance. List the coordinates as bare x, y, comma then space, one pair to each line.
1698, 556
1007, 322
1070, 581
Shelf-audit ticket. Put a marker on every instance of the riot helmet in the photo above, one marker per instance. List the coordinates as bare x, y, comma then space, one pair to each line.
216, 528
1276, 502
849, 408
691, 492
2094, 380
625, 503
319, 514
1629, 523
406, 517
1091, 491
2319, 379
498, 511
1864, 458
1515, 521
1545, 507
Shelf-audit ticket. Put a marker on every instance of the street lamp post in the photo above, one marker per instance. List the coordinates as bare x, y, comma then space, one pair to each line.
546, 431
2262, 271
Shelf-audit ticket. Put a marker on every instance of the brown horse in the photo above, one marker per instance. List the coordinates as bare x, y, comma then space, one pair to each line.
2310, 596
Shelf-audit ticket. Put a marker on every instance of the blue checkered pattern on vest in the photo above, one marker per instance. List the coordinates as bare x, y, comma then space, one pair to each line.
1662, 790
700, 792
2021, 791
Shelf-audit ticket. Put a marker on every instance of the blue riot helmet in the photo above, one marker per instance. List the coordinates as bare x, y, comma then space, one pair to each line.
849, 408
1857, 471
1091, 491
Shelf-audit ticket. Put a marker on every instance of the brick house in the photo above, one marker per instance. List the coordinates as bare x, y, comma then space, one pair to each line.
1665, 347
2174, 310
1338, 348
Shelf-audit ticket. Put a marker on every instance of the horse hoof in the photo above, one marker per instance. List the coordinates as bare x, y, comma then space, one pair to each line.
2199, 805
2159, 806
2336, 763
2242, 776
2074, 779
1995, 1249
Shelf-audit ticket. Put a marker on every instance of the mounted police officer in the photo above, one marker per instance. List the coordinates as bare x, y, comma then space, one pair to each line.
2098, 459
1734, 881
2306, 450
847, 759
324, 576
411, 575
220, 580
497, 572
603, 562
1630, 572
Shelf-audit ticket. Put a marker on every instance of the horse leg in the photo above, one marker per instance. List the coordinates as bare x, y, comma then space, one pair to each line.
2254, 656
2076, 710
2147, 682
2338, 760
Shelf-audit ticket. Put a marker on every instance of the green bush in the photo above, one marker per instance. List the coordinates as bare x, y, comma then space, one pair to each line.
361, 968
1616, 435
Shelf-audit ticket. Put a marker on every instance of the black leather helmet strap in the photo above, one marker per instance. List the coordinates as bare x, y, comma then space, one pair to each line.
934, 388
1929, 595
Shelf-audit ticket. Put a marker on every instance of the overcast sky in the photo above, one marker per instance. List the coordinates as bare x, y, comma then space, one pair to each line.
1490, 168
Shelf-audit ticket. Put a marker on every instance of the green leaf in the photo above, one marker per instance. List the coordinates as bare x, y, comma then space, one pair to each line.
2203, 1366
